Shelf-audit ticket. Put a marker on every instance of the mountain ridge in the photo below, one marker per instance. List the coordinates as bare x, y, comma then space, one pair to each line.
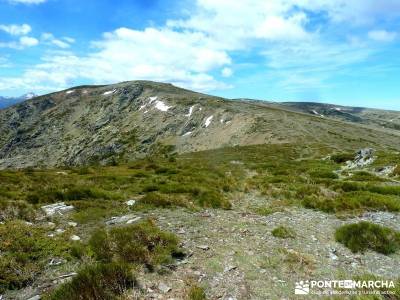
130, 120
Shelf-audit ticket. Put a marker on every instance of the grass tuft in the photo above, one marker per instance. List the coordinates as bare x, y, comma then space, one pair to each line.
283, 232
364, 236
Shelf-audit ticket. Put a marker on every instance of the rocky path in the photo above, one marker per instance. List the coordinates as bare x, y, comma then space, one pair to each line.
234, 255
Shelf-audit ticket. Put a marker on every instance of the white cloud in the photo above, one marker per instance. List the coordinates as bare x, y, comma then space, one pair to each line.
226, 72
14, 29
27, 41
382, 35
27, 1
63, 43
187, 51
68, 39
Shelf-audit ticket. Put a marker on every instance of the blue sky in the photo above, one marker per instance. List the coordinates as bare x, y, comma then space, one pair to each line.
338, 51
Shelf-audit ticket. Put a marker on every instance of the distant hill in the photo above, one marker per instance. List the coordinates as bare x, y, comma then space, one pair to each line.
8, 101
129, 120
370, 116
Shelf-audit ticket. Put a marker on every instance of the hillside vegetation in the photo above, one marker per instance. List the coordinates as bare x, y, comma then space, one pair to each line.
157, 225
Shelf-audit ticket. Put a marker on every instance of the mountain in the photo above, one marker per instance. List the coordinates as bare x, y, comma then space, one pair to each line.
8, 101
129, 120
376, 117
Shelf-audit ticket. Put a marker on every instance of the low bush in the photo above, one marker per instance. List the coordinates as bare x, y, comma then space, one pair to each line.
364, 236
142, 243
396, 171
340, 158
213, 199
25, 250
12, 210
196, 293
364, 176
283, 232
160, 200
69, 194
323, 174
354, 201
97, 282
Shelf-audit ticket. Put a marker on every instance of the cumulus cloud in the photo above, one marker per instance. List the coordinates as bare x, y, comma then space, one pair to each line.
382, 35
190, 50
15, 29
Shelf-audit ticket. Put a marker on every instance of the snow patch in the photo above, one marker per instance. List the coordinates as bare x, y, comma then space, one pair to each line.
143, 106
162, 106
208, 121
187, 133
190, 111
109, 92
70, 92
222, 121
316, 113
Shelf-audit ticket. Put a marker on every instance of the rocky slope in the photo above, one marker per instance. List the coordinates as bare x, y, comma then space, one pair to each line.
128, 120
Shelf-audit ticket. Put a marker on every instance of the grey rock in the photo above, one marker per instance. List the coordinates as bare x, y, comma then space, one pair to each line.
163, 287
57, 208
203, 247
364, 157
123, 219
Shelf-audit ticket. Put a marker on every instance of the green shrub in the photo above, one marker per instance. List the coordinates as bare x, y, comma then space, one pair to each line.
70, 194
283, 232
365, 176
396, 171
25, 250
141, 243
340, 158
161, 200
196, 293
365, 235
385, 190
97, 282
323, 174
354, 201
213, 199
11, 210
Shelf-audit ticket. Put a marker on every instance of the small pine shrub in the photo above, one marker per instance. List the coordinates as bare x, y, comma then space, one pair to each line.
97, 282
283, 232
364, 236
